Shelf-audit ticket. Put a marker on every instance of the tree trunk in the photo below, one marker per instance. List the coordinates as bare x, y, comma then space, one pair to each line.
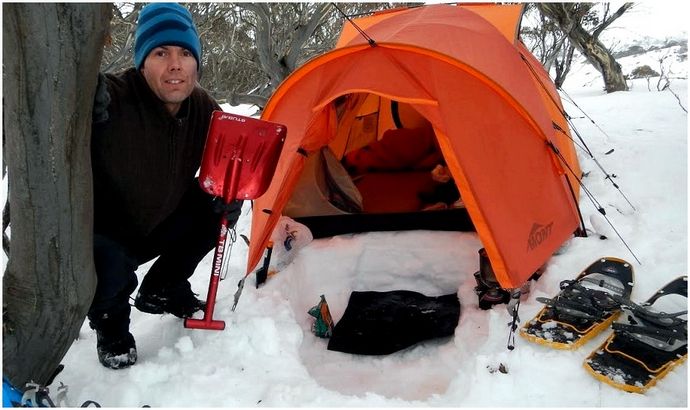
51, 57
600, 57
275, 68
563, 65
567, 17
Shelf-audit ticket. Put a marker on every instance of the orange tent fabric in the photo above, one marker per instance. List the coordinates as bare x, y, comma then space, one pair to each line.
492, 107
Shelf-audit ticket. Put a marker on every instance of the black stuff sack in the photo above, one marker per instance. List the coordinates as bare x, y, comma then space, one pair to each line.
378, 323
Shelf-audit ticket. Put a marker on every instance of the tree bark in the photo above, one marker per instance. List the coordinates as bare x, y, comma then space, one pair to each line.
563, 65
272, 66
600, 57
51, 57
304, 32
567, 18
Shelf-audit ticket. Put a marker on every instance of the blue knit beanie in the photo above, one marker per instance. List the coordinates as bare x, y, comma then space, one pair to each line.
165, 24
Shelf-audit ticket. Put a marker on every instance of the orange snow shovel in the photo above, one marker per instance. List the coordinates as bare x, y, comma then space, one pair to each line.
239, 160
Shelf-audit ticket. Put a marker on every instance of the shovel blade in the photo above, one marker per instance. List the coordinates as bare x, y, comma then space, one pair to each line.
255, 144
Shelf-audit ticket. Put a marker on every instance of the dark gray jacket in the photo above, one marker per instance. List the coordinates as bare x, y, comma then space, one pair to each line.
143, 158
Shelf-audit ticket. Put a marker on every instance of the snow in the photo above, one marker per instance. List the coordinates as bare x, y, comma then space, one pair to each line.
648, 21
268, 357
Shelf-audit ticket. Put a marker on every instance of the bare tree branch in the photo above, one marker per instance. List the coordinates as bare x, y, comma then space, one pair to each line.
608, 20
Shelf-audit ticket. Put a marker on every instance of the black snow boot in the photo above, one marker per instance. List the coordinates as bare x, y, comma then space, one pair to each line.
177, 299
116, 352
114, 343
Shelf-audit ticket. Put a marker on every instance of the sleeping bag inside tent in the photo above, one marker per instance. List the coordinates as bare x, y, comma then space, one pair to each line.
444, 120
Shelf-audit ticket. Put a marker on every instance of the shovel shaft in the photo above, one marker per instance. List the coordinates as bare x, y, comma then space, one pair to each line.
234, 171
207, 322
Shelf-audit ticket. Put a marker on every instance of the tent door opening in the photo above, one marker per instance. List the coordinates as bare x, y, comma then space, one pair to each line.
379, 172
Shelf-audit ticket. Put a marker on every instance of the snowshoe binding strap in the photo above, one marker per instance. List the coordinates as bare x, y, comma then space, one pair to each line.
648, 315
655, 336
602, 283
578, 301
36, 395
661, 330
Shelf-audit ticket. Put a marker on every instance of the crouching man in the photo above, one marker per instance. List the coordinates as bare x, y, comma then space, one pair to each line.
149, 130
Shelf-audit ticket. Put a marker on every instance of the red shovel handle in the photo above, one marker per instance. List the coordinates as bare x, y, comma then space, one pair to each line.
207, 322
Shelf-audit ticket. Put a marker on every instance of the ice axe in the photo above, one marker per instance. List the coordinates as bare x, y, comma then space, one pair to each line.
238, 163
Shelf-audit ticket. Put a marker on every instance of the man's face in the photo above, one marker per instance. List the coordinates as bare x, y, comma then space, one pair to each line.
171, 73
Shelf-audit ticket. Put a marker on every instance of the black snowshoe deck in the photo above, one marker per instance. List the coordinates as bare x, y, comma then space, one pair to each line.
584, 306
645, 345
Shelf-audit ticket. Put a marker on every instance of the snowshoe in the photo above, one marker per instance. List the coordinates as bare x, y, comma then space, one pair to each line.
646, 343
584, 306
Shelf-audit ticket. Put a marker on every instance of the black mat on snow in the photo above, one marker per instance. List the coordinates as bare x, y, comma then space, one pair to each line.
378, 323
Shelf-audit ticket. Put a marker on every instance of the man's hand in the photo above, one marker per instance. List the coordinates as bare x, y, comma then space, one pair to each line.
232, 210
101, 101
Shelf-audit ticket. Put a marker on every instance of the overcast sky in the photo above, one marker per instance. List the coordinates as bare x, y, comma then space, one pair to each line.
656, 18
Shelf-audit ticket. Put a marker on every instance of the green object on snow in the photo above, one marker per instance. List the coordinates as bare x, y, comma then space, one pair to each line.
323, 325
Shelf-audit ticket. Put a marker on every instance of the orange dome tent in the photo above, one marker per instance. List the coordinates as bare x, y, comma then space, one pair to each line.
495, 114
